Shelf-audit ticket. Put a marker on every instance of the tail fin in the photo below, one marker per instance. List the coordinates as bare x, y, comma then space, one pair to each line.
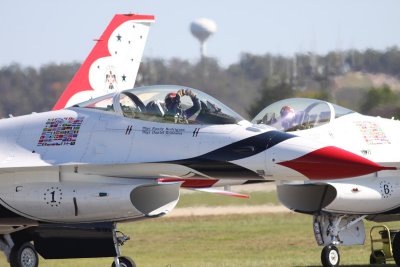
113, 63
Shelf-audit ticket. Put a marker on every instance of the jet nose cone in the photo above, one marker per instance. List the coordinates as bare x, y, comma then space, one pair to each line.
331, 162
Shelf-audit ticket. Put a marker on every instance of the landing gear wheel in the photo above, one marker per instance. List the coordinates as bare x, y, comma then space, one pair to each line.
24, 255
396, 249
330, 256
125, 262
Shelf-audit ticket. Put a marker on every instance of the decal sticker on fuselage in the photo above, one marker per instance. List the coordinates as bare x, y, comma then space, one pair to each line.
53, 196
372, 133
196, 132
162, 131
128, 130
60, 132
386, 189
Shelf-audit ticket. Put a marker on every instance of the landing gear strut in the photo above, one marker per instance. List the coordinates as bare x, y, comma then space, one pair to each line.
332, 230
119, 240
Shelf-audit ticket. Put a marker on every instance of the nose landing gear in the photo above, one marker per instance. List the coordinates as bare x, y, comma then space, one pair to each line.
119, 240
331, 230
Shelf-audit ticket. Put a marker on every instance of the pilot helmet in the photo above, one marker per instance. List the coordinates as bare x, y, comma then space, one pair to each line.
172, 102
287, 111
287, 116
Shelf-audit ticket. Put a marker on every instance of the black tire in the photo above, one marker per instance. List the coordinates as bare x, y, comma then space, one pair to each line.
396, 249
377, 257
330, 256
125, 262
24, 255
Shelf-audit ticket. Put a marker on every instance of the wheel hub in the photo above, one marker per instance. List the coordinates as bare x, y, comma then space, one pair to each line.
28, 258
333, 257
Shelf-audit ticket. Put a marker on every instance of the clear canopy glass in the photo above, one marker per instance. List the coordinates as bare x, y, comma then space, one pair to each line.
148, 103
299, 114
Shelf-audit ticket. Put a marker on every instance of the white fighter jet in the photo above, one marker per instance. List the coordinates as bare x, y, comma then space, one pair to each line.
67, 176
340, 205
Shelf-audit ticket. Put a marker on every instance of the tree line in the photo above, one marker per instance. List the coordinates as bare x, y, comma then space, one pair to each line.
247, 86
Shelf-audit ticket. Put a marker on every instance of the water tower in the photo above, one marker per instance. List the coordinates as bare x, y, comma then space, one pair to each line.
202, 29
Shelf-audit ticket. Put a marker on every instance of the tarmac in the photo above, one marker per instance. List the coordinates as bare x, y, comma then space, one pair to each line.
227, 210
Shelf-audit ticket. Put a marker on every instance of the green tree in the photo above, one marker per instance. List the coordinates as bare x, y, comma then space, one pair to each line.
271, 91
381, 101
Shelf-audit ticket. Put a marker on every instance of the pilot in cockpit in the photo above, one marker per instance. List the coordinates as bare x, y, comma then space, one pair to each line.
287, 117
175, 109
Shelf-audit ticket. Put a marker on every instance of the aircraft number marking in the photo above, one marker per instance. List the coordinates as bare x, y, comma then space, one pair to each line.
386, 189
53, 196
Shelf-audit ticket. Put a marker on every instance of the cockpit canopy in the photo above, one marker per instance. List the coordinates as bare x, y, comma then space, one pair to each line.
148, 103
299, 114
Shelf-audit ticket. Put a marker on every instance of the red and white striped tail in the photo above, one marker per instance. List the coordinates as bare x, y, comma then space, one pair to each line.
113, 63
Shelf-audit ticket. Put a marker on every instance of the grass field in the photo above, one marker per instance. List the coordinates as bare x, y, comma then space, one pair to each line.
209, 200
284, 239
281, 239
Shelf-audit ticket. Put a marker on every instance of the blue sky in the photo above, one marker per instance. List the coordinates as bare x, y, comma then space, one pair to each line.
44, 31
